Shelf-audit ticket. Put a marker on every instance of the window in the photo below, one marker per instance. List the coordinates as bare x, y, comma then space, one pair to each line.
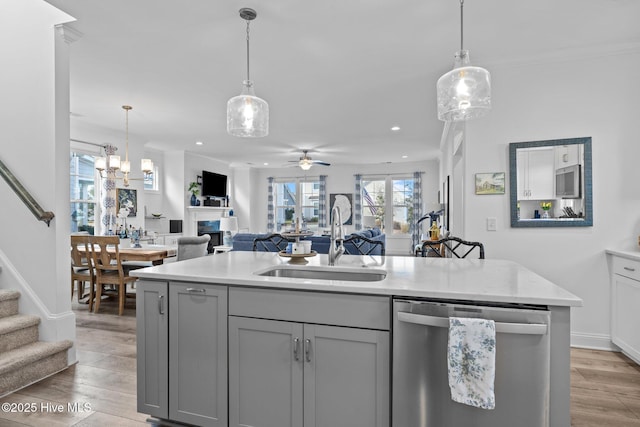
389, 194
82, 192
150, 180
288, 206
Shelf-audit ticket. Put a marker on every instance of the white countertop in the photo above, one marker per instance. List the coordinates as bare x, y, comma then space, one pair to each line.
630, 254
474, 280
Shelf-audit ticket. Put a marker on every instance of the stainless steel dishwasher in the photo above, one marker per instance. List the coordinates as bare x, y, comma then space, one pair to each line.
421, 396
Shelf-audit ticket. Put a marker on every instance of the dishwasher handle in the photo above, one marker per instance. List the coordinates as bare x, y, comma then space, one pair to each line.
502, 327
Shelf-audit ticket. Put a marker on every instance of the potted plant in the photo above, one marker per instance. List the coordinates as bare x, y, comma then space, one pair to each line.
194, 190
545, 207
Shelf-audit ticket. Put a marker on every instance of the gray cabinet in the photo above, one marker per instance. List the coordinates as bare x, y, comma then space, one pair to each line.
198, 354
284, 373
625, 294
182, 352
152, 326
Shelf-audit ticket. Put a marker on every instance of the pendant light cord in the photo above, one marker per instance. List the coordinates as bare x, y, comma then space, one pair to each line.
248, 78
461, 25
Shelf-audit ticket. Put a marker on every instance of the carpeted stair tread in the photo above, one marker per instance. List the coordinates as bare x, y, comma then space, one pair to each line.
17, 322
27, 354
7, 294
8, 302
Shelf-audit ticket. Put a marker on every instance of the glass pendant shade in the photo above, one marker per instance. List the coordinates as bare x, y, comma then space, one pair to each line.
464, 93
125, 166
114, 162
101, 163
247, 115
146, 165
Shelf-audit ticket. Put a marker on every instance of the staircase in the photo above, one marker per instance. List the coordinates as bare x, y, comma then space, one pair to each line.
23, 359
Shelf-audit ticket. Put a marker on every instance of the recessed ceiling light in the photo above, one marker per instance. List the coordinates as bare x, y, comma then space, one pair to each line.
395, 128
404, 156
266, 164
199, 143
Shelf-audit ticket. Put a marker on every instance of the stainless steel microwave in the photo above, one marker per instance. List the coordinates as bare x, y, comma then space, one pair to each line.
569, 182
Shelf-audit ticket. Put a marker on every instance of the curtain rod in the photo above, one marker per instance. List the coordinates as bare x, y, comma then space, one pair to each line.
386, 174
87, 142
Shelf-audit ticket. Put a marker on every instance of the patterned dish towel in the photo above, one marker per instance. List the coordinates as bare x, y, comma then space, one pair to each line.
472, 361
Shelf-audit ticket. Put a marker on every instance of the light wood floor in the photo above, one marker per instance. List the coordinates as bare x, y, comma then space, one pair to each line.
605, 386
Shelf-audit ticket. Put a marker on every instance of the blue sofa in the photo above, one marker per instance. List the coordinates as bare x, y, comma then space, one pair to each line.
320, 244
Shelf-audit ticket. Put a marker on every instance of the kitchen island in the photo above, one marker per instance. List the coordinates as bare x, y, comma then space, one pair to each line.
232, 339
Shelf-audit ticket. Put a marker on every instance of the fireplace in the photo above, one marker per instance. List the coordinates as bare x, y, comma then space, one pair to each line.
212, 228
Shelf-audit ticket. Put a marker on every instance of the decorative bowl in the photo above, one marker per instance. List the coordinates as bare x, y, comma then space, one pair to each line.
156, 215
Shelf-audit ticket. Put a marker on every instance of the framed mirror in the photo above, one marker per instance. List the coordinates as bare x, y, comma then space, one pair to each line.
550, 183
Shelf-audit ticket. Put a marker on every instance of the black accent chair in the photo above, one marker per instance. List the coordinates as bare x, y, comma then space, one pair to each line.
451, 247
360, 245
271, 243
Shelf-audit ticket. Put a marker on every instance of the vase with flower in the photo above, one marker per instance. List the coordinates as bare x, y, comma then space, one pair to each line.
545, 208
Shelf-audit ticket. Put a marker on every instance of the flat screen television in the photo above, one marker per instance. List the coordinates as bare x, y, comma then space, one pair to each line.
214, 184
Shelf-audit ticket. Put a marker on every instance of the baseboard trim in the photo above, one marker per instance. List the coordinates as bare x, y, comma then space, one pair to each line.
593, 341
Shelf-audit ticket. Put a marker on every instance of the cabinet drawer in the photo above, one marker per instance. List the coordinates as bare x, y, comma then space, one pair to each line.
360, 311
626, 267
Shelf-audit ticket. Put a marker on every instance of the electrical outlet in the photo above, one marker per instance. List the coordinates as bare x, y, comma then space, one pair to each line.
492, 224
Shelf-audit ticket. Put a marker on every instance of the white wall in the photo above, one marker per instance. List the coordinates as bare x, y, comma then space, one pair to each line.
35, 126
596, 97
340, 179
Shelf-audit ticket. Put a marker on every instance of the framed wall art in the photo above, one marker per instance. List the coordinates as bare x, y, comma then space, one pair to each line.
345, 202
490, 183
127, 198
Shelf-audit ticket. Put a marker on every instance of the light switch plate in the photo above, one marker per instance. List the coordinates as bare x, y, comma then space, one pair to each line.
492, 224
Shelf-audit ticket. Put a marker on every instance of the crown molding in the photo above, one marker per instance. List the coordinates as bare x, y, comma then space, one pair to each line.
68, 34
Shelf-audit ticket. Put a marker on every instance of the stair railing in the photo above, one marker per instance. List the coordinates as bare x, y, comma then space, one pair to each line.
25, 196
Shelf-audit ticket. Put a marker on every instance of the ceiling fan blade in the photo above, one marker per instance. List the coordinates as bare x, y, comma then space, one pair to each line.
320, 162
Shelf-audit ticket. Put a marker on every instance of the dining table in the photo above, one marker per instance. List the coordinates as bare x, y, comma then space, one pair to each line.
156, 254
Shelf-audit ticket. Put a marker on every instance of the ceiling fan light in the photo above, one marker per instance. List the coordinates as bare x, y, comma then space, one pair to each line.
464, 93
305, 164
247, 115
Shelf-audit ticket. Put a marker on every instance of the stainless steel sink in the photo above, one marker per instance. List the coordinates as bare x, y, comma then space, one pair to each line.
325, 273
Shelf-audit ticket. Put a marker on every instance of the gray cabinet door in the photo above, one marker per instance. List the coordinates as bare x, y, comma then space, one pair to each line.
265, 373
152, 348
198, 354
346, 377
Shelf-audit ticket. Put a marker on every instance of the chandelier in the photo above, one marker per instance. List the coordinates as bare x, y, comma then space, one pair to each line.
111, 162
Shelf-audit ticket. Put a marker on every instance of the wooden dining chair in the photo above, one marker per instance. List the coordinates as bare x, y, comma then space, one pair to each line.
109, 269
81, 267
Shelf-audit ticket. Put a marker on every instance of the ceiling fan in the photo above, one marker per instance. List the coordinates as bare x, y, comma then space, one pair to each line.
306, 162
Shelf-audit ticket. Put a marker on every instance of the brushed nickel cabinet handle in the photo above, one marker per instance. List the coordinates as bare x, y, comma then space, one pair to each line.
161, 304
307, 349
296, 348
204, 291
629, 269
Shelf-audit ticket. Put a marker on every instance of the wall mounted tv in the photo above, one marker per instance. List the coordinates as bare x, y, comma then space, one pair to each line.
214, 184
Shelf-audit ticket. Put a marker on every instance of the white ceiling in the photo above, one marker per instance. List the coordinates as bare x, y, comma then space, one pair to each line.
337, 74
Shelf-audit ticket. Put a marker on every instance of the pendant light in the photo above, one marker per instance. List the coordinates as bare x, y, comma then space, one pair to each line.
112, 162
247, 115
464, 93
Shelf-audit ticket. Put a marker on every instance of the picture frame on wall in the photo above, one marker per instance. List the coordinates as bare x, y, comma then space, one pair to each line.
127, 198
345, 202
490, 183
